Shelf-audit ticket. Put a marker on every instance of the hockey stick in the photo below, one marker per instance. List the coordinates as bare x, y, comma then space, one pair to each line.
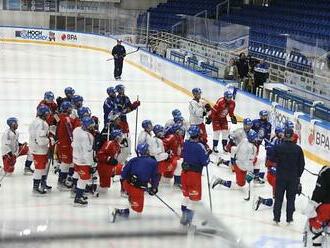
168, 206
208, 185
136, 123
314, 174
249, 193
126, 54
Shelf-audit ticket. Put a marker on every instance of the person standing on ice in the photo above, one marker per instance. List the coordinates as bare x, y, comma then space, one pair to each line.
118, 53
11, 149
139, 174
195, 157
290, 162
318, 210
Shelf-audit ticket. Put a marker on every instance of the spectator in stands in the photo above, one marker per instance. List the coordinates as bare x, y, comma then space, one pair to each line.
261, 74
243, 69
231, 71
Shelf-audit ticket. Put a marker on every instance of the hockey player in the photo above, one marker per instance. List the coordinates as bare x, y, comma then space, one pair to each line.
159, 153
173, 145
290, 161
82, 148
198, 110
263, 128
295, 136
64, 133
39, 144
318, 210
69, 92
271, 166
118, 53
77, 103
139, 175
235, 137
11, 149
195, 157
224, 106
109, 104
145, 135
177, 117
49, 101
245, 153
108, 165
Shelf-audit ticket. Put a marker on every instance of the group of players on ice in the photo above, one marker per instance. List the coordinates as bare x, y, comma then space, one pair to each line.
65, 131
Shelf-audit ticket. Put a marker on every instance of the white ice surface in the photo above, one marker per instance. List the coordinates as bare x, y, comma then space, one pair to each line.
27, 71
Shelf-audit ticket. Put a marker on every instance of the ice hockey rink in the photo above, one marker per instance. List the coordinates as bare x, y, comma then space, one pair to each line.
27, 71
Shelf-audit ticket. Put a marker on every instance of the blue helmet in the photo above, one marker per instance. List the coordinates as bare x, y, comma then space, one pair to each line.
288, 133
146, 124
158, 129
120, 88
87, 122
263, 113
77, 98
116, 133
247, 122
43, 110
176, 112
193, 131
252, 135
289, 124
69, 91
176, 127
84, 111
142, 149
65, 106
196, 91
228, 94
49, 96
11, 121
279, 129
111, 90
178, 118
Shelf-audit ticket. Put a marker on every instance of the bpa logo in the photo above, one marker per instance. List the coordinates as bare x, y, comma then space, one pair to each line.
69, 37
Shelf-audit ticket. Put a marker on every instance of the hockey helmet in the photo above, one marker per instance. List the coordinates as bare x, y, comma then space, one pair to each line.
142, 149
49, 96
193, 131
11, 121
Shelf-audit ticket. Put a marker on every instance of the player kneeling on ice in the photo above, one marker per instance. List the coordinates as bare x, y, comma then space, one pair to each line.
11, 149
317, 233
195, 157
39, 144
108, 165
83, 159
245, 155
136, 175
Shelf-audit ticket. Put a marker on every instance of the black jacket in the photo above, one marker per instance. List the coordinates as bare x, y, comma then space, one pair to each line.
290, 161
321, 193
243, 67
119, 52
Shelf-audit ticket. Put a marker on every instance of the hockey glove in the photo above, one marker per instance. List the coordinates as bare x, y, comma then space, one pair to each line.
208, 120
112, 161
204, 113
124, 142
207, 107
152, 191
249, 176
135, 105
233, 119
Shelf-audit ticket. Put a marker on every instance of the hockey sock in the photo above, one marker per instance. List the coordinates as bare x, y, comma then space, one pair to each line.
256, 172
28, 163
233, 161
124, 212
79, 193
268, 202
224, 144
226, 184
43, 180
261, 174
183, 208
74, 181
36, 183
71, 171
215, 143
62, 176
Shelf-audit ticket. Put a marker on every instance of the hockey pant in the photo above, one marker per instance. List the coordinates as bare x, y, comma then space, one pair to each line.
64, 153
106, 172
10, 161
40, 164
191, 185
322, 218
135, 196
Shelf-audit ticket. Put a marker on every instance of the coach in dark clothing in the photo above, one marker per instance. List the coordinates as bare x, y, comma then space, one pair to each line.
118, 53
290, 166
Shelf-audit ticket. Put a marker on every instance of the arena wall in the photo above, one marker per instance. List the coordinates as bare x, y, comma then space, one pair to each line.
314, 135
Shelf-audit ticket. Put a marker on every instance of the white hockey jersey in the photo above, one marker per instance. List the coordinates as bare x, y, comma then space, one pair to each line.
82, 147
196, 110
245, 153
9, 142
237, 135
159, 150
38, 139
